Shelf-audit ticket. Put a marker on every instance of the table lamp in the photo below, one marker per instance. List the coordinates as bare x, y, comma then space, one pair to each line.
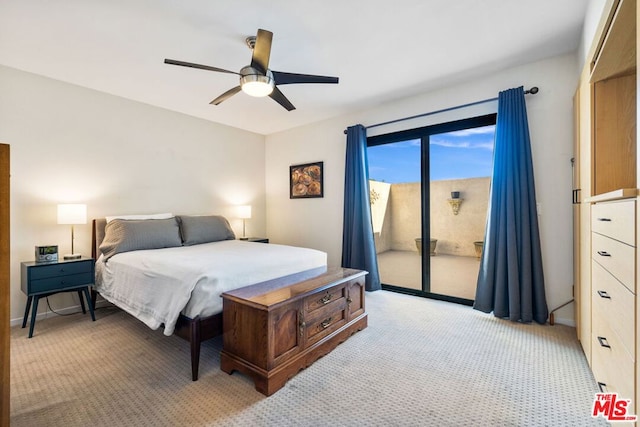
72, 214
244, 212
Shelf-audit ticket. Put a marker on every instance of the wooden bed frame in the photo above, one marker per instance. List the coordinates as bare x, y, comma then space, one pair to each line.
195, 330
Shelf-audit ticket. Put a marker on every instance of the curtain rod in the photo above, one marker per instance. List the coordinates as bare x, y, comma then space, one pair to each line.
531, 91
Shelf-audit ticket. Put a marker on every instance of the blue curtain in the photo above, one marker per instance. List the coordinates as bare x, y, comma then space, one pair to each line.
511, 280
358, 246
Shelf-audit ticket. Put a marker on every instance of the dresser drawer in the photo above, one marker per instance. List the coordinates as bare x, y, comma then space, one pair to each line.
60, 283
325, 321
322, 299
613, 367
614, 304
617, 258
616, 220
61, 269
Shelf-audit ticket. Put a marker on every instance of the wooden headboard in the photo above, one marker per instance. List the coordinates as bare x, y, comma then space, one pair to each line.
97, 235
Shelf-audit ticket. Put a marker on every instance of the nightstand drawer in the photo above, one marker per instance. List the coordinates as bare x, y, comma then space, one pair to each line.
61, 269
59, 283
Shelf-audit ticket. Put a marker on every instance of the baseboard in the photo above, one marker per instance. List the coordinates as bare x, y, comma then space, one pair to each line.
67, 310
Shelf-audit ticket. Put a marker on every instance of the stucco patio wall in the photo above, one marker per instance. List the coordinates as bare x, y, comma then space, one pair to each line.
396, 215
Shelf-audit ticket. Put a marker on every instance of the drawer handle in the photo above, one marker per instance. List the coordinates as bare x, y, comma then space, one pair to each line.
604, 294
604, 253
325, 323
603, 342
326, 299
602, 387
604, 219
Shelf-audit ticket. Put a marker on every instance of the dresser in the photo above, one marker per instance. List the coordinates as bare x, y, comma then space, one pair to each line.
274, 329
613, 295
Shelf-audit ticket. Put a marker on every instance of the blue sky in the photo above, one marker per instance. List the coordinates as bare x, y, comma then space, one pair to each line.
454, 155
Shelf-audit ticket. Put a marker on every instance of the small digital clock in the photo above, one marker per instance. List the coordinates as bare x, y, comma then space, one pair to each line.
47, 253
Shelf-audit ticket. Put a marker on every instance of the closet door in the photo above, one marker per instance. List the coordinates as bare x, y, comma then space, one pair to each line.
4, 284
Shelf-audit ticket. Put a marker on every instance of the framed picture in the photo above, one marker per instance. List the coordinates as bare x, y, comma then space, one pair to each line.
306, 181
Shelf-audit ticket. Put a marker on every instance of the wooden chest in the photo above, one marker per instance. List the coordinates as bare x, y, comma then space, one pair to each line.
274, 329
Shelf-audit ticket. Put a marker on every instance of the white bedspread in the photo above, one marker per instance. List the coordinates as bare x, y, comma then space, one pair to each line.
157, 285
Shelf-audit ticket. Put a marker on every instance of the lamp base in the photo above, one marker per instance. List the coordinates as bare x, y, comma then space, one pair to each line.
72, 256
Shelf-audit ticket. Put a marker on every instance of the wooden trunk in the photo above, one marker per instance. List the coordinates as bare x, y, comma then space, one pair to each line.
274, 329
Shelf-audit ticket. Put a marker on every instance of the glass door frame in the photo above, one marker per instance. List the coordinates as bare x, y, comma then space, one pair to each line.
424, 134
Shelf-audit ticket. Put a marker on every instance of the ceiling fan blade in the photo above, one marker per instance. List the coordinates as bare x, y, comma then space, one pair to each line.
202, 67
228, 94
279, 97
293, 78
262, 51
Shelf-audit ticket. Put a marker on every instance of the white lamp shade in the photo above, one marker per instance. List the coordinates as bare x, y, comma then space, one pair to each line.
73, 213
244, 212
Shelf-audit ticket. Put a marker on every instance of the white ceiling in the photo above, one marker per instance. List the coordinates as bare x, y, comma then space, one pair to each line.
380, 50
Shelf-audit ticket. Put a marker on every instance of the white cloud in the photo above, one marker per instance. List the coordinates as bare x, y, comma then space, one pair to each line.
487, 145
485, 130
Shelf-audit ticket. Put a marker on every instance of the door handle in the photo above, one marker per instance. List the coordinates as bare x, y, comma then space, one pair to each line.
604, 253
604, 294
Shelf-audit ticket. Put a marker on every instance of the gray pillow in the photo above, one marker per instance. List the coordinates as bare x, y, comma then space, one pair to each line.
204, 229
132, 235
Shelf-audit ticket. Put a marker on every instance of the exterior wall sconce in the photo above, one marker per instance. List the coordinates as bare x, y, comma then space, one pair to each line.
455, 205
455, 201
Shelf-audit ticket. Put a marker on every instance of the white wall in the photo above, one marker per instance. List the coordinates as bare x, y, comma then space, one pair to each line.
317, 223
70, 144
592, 19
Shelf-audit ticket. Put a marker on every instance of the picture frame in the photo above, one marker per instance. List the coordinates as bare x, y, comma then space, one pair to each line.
306, 180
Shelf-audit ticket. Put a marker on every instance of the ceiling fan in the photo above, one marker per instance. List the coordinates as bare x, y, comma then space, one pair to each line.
257, 79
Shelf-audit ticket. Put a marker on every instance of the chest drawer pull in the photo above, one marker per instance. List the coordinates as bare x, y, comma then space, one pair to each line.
603, 342
602, 387
604, 294
326, 299
604, 253
604, 219
325, 323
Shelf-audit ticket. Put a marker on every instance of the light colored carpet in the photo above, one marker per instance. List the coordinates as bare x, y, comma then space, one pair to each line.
419, 363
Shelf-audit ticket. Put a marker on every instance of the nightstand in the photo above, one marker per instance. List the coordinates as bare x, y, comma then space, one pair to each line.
41, 279
258, 239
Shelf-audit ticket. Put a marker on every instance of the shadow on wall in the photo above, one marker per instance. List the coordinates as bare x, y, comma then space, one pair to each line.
396, 211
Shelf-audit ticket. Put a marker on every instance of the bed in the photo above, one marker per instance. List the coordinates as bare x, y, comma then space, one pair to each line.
169, 271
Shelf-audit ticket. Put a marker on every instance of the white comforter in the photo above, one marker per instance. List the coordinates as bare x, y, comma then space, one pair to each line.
157, 285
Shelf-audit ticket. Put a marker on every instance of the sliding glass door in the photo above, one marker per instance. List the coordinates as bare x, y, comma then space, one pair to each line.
429, 190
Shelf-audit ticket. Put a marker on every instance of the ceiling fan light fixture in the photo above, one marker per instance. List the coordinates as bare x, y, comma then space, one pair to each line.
257, 85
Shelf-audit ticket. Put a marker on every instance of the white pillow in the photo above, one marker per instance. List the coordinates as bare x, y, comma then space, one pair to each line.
149, 216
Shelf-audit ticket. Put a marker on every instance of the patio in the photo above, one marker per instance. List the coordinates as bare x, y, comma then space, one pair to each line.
450, 274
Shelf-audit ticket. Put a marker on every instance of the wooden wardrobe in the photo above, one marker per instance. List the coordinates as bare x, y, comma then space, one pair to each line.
606, 227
